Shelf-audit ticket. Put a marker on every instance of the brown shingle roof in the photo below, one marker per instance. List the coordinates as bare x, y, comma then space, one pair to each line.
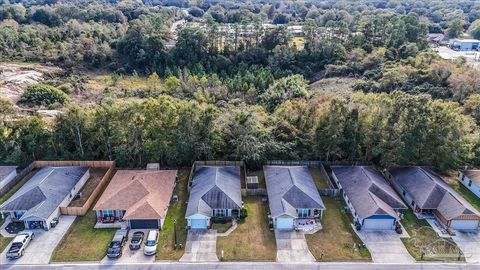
142, 194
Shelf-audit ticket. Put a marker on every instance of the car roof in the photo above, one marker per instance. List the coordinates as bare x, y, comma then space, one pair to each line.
152, 235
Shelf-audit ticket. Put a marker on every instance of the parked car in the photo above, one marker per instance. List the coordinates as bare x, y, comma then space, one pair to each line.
137, 240
151, 243
117, 244
19, 244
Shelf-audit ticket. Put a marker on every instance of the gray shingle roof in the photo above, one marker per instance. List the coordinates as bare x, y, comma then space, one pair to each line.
368, 191
214, 188
429, 191
44, 192
5, 171
289, 188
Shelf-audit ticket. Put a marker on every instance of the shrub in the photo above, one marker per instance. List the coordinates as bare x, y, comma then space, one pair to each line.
243, 213
43, 94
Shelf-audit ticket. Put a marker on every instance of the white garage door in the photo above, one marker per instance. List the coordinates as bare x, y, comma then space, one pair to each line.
378, 224
464, 224
285, 223
198, 223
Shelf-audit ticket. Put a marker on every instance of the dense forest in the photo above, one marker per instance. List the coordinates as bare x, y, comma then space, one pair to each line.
236, 80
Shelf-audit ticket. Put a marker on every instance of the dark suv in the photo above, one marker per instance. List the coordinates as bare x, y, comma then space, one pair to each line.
117, 244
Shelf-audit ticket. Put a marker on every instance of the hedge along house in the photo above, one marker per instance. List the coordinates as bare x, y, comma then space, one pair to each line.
39, 200
215, 192
7, 174
430, 197
293, 197
372, 201
471, 180
137, 199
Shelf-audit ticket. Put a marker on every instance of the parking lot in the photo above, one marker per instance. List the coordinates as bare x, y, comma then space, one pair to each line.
42, 246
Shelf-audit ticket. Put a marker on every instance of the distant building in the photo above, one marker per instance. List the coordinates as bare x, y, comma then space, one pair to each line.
464, 44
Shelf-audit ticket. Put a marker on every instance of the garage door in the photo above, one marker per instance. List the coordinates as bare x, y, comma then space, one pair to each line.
378, 224
464, 224
144, 224
284, 223
198, 223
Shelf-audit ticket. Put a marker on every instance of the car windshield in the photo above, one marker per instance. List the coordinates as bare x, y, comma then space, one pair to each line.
114, 244
150, 243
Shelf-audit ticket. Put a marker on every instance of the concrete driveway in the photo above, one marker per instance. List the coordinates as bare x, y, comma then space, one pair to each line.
42, 246
469, 243
385, 247
292, 247
131, 256
201, 246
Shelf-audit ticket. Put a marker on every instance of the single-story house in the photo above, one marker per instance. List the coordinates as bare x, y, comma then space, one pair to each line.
7, 174
138, 197
464, 44
427, 193
372, 201
215, 192
471, 180
39, 200
292, 196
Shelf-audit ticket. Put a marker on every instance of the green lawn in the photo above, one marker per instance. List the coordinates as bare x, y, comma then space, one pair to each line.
82, 242
337, 238
221, 227
4, 241
467, 194
166, 250
318, 178
423, 237
251, 240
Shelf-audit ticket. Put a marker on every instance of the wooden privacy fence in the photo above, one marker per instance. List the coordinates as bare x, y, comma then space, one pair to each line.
76, 210
254, 192
330, 192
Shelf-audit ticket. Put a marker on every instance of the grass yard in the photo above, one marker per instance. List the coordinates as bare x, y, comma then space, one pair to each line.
337, 237
251, 240
96, 174
4, 241
221, 227
83, 242
165, 249
318, 178
422, 237
467, 194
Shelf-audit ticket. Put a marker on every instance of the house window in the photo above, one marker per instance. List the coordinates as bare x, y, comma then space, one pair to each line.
303, 213
470, 183
220, 212
413, 203
107, 213
463, 177
404, 193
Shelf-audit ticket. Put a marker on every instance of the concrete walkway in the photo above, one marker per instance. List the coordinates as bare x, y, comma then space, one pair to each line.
230, 230
201, 246
42, 246
385, 246
292, 247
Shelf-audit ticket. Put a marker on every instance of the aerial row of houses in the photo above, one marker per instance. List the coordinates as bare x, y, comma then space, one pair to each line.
139, 199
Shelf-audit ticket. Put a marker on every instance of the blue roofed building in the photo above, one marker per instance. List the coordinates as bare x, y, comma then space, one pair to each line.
215, 192
39, 200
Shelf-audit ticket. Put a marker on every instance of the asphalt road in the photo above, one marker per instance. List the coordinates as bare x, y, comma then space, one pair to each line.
255, 265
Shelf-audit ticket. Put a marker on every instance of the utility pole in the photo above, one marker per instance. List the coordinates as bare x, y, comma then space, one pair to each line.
175, 232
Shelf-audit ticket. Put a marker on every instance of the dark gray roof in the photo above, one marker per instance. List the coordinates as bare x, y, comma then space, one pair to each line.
368, 191
44, 192
473, 175
429, 191
214, 188
6, 170
289, 188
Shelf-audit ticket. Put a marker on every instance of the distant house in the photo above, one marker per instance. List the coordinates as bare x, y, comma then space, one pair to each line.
292, 196
464, 44
39, 200
140, 198
471, 180
7, 174
215, 192
426, 193
372, 201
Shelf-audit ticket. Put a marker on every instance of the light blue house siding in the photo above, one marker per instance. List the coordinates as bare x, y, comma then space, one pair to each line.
468, 183
465, 44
